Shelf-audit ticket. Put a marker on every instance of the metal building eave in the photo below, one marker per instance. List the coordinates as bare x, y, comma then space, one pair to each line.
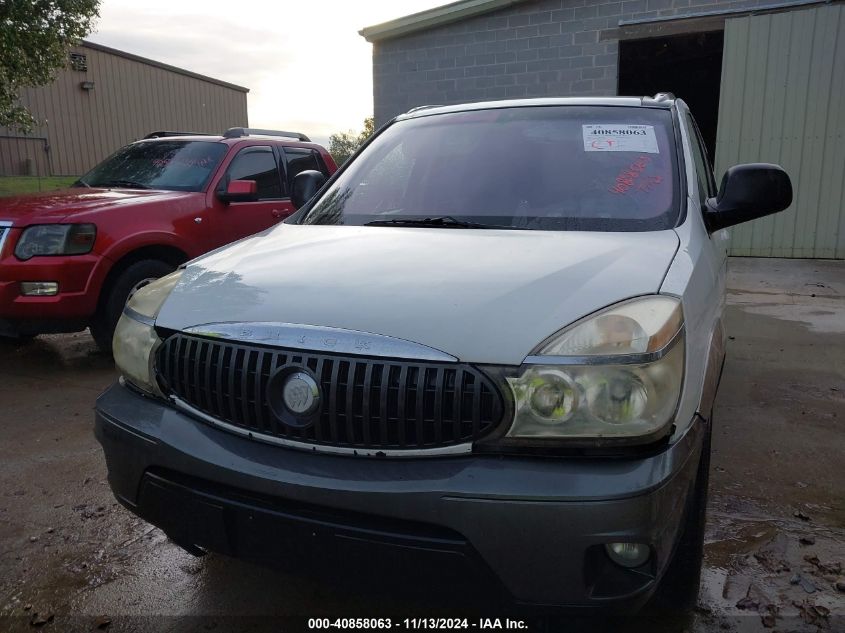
735, 11
437, 16
151, 62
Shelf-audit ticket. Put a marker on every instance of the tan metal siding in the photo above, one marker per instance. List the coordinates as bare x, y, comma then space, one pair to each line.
783, 90
130, 99
24, 156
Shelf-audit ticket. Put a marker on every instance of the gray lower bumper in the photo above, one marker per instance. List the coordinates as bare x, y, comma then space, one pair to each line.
537, 523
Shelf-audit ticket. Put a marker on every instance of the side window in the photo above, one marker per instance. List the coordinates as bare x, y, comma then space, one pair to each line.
301, 159
257, 163
706, 182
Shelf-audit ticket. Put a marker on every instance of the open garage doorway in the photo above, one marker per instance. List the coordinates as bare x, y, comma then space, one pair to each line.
689, 65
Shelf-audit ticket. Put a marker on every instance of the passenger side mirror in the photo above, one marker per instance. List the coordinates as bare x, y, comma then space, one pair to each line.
748, 192
239, 191
305, 185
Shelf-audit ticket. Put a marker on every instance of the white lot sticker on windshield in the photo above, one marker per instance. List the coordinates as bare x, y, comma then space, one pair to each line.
619, 137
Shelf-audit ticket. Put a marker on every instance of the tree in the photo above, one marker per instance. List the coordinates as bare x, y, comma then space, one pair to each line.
35, 36
343, 144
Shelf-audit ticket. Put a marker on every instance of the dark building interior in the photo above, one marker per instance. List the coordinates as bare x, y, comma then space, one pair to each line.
690, 66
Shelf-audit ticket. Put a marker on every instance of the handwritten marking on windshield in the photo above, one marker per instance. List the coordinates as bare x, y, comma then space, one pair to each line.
628, 177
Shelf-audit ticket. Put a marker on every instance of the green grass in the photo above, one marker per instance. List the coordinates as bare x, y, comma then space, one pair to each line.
14, 185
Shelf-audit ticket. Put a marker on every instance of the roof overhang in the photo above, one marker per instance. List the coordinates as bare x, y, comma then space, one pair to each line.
151, 62
437, 16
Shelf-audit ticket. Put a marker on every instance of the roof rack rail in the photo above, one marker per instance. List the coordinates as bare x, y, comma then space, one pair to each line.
664, 96
237, 132
166, 133
423, 107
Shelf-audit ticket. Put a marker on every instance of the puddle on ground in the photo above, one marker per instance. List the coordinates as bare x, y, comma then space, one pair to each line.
768, 571
823, 320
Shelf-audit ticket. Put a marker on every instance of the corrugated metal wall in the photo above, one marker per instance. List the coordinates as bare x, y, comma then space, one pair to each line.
23, 156
783, 101
130, 99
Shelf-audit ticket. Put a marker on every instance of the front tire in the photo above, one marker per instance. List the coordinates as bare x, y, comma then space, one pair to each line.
136, 276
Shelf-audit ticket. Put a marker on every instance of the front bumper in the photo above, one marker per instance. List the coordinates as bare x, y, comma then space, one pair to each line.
536, 525
79, 278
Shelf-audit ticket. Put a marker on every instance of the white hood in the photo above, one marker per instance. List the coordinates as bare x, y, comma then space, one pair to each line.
483, 296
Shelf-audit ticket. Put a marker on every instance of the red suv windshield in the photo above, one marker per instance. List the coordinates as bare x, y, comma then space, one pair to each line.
169, 165
545, 168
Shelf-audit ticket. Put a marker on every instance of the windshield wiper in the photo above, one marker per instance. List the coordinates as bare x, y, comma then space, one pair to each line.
81, 183
125, 184
444, 221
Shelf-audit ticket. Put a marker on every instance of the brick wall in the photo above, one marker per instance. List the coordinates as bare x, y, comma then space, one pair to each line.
533, 49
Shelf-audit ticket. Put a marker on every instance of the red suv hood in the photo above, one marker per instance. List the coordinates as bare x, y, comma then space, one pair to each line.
54, 206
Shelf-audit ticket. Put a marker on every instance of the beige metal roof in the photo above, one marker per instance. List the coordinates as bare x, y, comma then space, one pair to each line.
432, 17
154, 63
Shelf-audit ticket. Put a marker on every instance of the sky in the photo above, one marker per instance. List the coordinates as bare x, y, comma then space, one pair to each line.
305, 64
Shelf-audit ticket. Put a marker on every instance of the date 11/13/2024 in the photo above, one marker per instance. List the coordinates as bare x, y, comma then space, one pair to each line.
413, 624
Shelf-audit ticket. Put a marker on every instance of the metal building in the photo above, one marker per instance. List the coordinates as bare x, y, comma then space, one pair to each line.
106, 98
764, 78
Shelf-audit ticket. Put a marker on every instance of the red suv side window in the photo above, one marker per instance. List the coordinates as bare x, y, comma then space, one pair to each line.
258, 163
300, 159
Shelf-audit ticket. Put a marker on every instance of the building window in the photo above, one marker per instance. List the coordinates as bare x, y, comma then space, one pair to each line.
79, 61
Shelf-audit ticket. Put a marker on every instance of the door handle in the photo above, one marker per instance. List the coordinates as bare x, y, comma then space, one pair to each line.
276, 213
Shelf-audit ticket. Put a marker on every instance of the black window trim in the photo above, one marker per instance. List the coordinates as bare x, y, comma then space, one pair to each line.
224, 181
695, 137
279, 151
681, 178
321, 164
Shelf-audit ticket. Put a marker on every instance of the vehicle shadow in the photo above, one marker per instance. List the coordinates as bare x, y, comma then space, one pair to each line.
373, 592
52, 354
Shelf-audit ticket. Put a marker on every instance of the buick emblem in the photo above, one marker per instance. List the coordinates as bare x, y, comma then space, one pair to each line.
300, 393
293, 396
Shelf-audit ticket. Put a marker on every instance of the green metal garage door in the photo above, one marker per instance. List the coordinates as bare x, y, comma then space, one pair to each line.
783, 101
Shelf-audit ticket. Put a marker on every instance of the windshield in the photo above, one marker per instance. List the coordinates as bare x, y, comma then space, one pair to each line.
545, 168
169, 165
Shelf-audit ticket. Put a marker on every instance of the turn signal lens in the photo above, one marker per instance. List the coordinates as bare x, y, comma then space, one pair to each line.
638, 326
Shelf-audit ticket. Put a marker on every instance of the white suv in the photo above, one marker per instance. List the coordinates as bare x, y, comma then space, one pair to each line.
494, 337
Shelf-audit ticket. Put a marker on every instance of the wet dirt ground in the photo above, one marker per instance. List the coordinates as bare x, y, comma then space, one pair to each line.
72, 559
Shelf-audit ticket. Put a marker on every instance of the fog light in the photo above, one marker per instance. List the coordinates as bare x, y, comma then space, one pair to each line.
39, 288
628, 554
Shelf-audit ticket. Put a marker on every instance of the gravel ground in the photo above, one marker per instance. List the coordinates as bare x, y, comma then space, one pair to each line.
72, 559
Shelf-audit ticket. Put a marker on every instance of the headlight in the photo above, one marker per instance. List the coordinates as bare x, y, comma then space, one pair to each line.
56, 239
615, 374
135, 340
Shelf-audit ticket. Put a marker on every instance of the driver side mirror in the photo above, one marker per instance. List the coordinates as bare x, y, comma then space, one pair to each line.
748, 192
305, 185
239, 191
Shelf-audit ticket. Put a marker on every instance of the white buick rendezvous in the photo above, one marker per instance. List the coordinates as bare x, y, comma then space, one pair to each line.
491, 341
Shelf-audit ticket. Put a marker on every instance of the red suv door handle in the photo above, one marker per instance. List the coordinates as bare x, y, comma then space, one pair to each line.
276, 213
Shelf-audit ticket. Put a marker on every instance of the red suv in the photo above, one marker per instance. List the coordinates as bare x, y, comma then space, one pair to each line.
71, 258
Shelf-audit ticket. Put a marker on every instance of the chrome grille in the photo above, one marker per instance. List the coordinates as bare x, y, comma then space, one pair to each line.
366, 403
